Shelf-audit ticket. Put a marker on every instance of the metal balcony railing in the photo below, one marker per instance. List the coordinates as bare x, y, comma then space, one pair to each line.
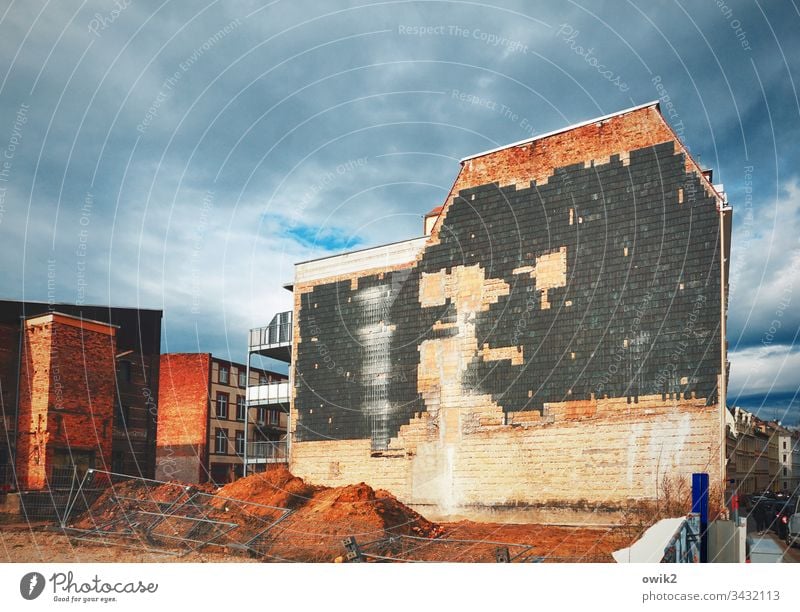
268, 394
267, 452
277, 333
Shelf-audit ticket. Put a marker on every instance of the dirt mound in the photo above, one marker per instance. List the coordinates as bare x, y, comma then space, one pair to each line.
321, 517
324, 516
275, 487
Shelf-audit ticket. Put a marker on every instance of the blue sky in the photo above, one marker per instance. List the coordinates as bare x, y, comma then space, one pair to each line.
183, 155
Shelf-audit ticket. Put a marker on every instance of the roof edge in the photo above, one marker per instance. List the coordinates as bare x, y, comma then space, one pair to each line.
564, 129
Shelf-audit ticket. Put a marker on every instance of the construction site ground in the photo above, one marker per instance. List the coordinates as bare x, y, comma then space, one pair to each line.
320, 519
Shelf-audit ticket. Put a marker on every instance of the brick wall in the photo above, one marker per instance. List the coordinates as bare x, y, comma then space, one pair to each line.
182, 447
555, 341
67, 395
616, 453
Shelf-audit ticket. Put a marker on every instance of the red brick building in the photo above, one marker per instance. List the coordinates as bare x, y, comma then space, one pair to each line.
66, 405
79, 389
201, 417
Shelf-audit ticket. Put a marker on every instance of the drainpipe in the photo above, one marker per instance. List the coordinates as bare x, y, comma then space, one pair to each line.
723, 347
246, 407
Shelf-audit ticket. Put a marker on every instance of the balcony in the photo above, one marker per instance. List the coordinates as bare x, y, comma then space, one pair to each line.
267, 452
274, 340
270, 394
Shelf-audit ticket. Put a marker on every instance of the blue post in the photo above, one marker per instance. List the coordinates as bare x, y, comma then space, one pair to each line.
700, 506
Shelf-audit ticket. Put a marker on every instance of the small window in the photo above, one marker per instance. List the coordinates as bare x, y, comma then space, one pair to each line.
125, 371
240, 443
118, 462
222, 405
223, 375
242, 378
221, 441
123, 416
240, 408
262, 379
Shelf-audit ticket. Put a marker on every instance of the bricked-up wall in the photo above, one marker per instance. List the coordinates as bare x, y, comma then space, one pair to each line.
67, 394
589, 270
182, 447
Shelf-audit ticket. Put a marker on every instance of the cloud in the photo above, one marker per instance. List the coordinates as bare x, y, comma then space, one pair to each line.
268, 115
765, 271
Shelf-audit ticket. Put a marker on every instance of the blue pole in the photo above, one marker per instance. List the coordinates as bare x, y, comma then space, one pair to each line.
700, 506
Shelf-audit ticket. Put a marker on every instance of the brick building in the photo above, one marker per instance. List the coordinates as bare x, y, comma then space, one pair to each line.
557, 337
79, 388
201, 417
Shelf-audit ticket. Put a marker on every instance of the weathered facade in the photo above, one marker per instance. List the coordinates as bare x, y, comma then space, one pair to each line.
201, 417
558, 338
61, 361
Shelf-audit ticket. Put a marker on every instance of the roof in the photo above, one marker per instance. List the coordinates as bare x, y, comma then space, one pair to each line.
563, 129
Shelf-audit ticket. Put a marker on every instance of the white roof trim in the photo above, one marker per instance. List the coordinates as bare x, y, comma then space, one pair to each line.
560, 130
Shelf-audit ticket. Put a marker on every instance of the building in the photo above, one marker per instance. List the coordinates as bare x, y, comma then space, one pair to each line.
202, 414
268, 398
794, 479
780, 454
741, 451
79, 388
556, 339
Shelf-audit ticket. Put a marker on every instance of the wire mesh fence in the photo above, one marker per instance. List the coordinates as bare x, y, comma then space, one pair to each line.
413, 549
166, 517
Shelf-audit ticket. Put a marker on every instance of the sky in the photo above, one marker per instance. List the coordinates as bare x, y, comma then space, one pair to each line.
184, 155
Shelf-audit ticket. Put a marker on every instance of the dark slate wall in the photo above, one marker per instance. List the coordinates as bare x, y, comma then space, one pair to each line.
672, 332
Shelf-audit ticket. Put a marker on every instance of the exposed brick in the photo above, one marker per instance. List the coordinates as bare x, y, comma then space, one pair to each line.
67, 395
183, 403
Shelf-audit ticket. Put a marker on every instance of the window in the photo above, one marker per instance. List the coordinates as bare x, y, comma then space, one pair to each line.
242, 378
123, 416
262, 415
784, 445
118, 462
223, 374
221, 441
125, 371
785, 472
784, 458
222, 405
263, 379
240, 443
273, 416
240, 408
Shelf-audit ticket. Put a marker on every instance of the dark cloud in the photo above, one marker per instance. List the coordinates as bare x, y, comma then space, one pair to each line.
188, 154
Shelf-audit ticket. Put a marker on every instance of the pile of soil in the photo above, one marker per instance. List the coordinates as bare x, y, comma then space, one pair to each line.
324, 516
